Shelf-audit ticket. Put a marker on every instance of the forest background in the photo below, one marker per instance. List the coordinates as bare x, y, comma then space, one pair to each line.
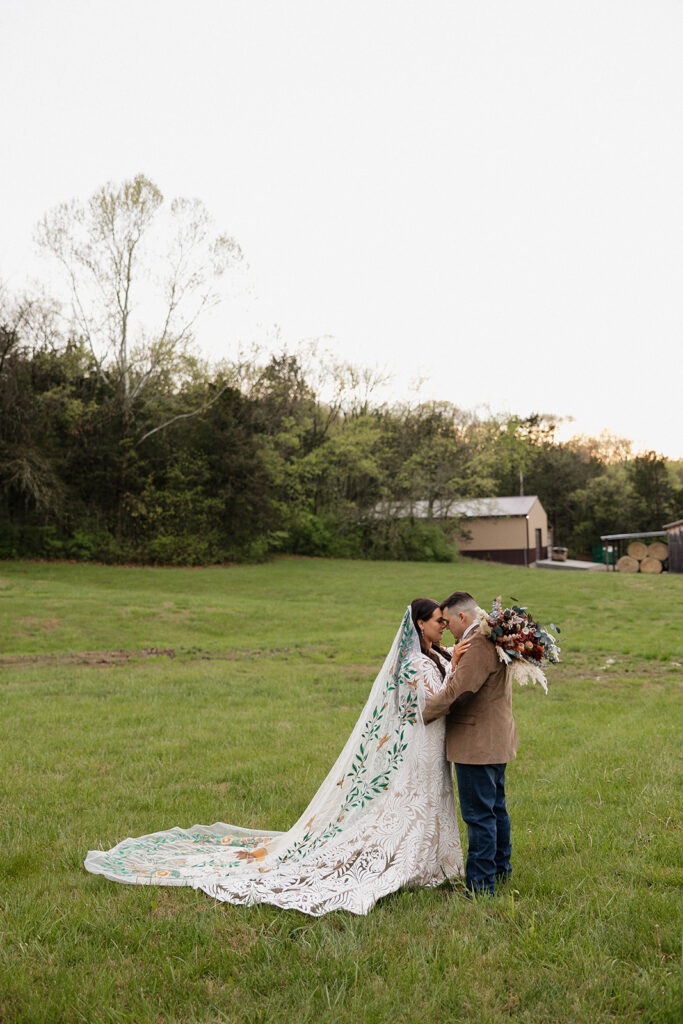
120, 443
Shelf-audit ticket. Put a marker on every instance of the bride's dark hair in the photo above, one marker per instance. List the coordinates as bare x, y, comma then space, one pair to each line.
423, 608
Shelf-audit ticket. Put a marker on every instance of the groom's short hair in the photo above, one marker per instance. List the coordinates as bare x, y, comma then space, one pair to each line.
460, 601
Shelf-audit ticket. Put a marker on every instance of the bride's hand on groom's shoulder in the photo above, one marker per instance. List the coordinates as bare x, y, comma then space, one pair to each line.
458, 651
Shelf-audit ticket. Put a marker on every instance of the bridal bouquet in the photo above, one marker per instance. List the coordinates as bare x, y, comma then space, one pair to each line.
521, 643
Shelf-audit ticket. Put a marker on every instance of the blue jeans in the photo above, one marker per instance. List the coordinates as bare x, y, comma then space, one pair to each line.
481, 790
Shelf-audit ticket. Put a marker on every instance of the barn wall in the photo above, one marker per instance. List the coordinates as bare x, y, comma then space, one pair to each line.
538, 519
676, 549
497, 533
506, 534
510, 556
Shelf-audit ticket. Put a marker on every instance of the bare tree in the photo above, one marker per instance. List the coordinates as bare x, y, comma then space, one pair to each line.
141, 272
344, 390
607, 447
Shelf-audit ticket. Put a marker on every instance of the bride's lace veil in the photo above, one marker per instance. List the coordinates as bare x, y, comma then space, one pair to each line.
374, 752
249, 864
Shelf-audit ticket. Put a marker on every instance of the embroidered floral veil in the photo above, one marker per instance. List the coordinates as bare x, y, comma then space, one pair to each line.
376, 823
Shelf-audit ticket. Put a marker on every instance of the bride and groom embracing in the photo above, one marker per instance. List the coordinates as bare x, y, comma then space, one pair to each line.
385, 815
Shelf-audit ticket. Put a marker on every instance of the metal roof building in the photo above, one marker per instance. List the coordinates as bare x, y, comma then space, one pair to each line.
471, 508
511, 529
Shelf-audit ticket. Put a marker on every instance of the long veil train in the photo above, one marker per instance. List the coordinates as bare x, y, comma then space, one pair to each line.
383, 818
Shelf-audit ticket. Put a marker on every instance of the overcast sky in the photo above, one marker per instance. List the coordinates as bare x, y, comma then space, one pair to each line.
484, 195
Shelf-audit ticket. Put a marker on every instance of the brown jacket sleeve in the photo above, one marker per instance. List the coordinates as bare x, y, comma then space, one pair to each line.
473, 670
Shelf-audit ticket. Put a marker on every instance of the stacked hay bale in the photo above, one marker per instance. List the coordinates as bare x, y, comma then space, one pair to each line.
643, 557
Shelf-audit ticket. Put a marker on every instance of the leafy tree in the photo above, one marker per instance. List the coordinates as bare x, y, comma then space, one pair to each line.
49, 399
606, 504
652, 485
271, 465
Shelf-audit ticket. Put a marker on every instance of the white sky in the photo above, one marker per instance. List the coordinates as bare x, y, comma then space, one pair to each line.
486, 195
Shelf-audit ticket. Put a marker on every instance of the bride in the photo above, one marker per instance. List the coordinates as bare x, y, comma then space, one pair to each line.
383, 818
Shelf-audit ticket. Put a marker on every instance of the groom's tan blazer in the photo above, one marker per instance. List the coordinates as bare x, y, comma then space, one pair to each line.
477, 702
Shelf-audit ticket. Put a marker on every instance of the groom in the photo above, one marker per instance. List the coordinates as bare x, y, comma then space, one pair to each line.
481, 737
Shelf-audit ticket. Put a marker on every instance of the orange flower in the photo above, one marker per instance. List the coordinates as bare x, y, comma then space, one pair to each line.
251, 855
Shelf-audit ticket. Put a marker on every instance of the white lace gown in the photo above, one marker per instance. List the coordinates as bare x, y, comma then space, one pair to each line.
383, 818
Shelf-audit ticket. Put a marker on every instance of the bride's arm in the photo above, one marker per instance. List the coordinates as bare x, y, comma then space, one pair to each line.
428, 676
438, 704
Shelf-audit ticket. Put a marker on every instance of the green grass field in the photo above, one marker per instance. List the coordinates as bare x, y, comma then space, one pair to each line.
226, 694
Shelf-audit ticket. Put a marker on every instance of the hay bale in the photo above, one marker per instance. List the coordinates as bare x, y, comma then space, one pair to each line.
657, 550
652, 565
637, 549
628, 564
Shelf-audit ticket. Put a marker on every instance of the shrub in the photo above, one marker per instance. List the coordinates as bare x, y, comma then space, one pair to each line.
411, 540
396, 540
182, 549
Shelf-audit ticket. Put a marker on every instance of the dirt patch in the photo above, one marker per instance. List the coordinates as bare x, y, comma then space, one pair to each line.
173, 614
121, 657
44, 625
358, 668
84, 657
617, 672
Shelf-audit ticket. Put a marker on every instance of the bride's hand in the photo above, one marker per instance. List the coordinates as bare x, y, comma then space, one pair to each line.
458, 652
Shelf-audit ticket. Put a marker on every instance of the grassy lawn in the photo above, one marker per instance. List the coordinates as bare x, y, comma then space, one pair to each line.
225, 694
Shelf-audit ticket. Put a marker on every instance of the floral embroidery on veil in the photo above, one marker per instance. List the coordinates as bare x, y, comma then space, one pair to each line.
384, 817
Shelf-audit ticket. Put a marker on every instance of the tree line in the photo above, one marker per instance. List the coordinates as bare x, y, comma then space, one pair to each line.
119, 444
